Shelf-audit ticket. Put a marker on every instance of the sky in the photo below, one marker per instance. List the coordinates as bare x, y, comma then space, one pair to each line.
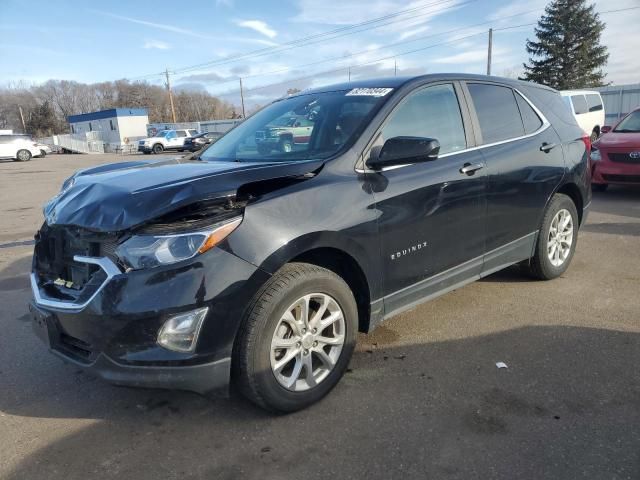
210, 44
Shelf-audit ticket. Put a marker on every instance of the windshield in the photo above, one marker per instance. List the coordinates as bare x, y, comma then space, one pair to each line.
313, 126
630, 124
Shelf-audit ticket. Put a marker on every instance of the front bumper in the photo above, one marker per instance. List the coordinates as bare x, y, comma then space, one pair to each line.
608, 171
114, 334
144, 148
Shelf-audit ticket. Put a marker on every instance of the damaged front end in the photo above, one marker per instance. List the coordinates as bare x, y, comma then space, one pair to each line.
126, 278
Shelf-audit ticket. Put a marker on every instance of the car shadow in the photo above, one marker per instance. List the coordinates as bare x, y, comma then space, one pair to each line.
567, 403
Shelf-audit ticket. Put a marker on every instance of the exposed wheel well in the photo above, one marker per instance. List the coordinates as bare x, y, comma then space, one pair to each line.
344, 265
573, 192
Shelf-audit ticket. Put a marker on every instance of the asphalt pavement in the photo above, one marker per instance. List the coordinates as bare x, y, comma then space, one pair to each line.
422, 399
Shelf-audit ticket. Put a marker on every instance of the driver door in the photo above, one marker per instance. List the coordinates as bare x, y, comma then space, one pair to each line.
432, 215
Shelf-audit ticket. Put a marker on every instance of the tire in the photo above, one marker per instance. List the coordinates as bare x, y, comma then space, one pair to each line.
255, 361
158, 148
285, 145
43, 154
23, 156
599, 187
594, 135
541, 266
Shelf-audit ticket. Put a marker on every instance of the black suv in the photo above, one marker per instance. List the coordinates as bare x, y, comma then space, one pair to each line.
260, 267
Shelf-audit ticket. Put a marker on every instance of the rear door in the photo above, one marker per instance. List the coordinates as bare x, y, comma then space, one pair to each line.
431, 215
524, 165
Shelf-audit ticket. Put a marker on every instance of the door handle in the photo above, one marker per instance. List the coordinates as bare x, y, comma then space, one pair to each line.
547, 147
470, 168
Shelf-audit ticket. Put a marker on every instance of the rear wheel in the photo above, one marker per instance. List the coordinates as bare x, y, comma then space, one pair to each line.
158, 148
297, 338
557, 239
23, 156
599, 187
43, 153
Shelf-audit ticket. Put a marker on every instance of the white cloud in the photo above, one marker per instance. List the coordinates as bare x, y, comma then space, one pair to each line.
258, 26
158, 26
413, 32
160, 45
471, 56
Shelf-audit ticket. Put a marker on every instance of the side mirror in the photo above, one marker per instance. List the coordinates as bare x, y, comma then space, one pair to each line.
403, 151
605, 129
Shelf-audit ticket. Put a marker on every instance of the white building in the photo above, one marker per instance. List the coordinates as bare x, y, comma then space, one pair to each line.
115, 127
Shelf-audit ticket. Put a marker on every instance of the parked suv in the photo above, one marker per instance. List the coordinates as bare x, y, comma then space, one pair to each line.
20, 148
588, 109
166, 140
284, 133
261, 268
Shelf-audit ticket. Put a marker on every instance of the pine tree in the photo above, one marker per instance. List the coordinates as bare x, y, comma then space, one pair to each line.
567, 53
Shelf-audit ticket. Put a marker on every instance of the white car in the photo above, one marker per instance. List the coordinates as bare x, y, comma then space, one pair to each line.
166, 140
18, 147
588, 109
44, 149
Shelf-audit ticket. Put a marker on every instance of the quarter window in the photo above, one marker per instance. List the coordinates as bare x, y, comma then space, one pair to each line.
594, 103
497, 112
579, 104
432, 112
530, 118
181, 133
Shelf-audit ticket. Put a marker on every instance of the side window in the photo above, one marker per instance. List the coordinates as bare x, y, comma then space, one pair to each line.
579, 104
497, 112
530, 118
431, 112
171, 134
594, 103
181, 133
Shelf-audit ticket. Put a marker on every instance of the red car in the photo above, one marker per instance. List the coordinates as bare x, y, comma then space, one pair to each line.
615, 155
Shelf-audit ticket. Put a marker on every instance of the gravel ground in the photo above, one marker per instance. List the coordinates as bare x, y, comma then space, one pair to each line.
423, 397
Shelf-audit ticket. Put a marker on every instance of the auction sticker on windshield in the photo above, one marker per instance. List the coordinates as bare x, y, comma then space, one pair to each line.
370, 92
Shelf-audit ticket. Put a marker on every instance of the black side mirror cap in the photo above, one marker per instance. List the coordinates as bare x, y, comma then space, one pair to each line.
403, 151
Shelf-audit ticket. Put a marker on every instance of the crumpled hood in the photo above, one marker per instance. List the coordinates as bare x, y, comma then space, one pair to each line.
119, 196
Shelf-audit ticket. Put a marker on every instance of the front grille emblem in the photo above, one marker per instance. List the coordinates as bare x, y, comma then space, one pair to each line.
634, 155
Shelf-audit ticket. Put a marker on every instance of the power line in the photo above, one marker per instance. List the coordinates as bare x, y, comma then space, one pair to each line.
333, 34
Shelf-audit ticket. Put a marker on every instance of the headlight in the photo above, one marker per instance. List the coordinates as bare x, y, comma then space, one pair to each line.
147, 251
595, 155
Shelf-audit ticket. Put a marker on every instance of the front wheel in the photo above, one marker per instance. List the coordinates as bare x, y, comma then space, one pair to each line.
285, 145
23, 156
557, 239
43, 153
158, 148
296, 339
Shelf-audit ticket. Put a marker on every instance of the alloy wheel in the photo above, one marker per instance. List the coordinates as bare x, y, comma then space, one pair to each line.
560, 238
307, 342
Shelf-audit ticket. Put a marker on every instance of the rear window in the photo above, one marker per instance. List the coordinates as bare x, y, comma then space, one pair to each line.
530, 118
579, 104
594, 103
497, 112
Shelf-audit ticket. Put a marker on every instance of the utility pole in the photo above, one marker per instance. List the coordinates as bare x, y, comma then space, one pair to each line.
489, 51
242, 98
349, 73
395, 67
173, 110
24, 127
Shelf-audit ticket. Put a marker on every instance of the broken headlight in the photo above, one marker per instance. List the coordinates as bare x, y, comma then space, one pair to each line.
147, 251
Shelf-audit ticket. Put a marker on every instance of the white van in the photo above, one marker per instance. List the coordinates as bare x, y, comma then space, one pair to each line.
587, 107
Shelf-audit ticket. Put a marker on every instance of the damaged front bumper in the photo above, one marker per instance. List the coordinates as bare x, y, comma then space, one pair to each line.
112, 329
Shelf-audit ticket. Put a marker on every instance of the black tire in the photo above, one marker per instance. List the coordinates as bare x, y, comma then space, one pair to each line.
540, 266
43, 154
285, 145
23, 156
599, 187
251, 365
158, 148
